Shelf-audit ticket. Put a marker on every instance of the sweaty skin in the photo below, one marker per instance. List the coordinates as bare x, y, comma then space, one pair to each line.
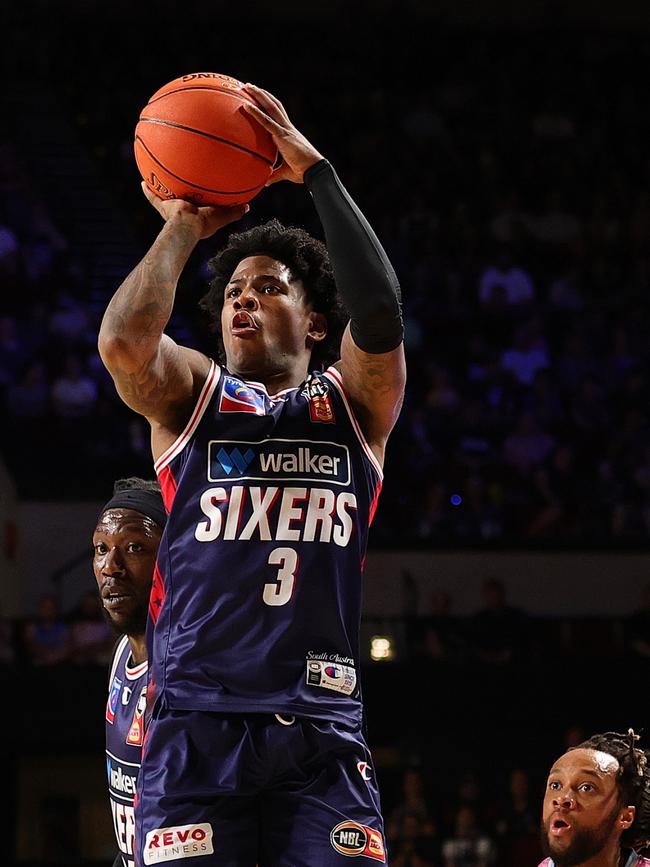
582, 815
125, 545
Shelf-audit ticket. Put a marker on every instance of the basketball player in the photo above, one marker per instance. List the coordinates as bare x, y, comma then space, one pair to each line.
270, 474
125, 545
597, 805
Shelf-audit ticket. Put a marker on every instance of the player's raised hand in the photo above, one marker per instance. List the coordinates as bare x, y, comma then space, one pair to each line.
297, 153
204, 220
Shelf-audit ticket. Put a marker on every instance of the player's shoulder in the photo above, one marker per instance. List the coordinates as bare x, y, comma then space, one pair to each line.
118, 657
547, 862
642, 862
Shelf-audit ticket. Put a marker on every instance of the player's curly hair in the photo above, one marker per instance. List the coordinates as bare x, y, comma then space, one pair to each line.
633, 780
133, 483
307, 260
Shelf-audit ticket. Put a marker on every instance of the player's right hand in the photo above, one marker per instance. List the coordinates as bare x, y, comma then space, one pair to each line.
203, 220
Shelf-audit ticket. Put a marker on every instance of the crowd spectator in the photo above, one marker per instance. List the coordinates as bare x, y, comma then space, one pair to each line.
498, 631
637, 628
91, 638
468, 847
47, 635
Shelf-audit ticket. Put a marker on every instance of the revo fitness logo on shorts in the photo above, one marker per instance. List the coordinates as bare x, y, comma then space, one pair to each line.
179, 841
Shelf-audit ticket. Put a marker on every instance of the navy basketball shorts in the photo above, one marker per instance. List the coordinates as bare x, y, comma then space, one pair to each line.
265, 790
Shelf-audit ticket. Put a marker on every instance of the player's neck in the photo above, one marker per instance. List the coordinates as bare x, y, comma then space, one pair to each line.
274, 380
138, 646
611, 856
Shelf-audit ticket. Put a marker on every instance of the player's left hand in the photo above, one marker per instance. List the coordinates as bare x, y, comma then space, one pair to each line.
297, 153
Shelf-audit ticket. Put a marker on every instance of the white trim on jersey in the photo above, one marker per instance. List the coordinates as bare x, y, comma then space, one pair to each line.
117, 655
133, 672
263, 388
335, 378
211, 382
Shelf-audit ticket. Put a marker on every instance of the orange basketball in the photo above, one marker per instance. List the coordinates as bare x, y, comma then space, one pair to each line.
194, 141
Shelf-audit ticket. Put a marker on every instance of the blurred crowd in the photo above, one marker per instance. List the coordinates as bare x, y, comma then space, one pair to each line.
497, 635
511, 188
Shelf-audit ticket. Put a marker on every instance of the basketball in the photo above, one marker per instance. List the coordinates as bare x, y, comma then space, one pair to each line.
194, 141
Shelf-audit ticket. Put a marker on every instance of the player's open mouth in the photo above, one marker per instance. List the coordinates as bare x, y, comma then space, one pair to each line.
114, 600
243, 323
559, 827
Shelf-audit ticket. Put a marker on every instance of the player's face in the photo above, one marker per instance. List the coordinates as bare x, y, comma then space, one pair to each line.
266, 320
582, 815
125, 545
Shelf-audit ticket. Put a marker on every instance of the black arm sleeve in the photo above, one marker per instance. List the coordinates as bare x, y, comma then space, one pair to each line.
365, 279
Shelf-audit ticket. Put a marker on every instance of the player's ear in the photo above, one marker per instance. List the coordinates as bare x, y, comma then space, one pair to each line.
626, 817
317, 327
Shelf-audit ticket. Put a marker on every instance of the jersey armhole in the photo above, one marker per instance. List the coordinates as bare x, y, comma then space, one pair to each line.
333, 376
117, 655
209, 386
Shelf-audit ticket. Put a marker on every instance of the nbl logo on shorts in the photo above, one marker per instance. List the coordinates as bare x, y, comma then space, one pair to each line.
351, 838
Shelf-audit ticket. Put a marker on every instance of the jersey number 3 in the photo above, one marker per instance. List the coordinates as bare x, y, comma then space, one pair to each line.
281, 590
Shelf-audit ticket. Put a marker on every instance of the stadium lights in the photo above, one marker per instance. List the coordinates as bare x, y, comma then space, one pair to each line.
382, 648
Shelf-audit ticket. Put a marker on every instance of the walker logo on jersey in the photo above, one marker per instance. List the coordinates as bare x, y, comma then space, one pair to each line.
279, 459
136, 732
339, 678
316, 392
350, 838
179, 841
237, 397
113, 700
120, 782
234, 460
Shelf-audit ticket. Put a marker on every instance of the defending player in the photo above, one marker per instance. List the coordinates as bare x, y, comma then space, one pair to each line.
271, 475
125, 546
597, 805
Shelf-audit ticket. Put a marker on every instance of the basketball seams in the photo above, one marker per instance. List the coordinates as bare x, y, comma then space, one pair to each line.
207, 135
241, 95
191, 183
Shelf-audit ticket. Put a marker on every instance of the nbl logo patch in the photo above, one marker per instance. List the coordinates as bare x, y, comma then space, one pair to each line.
237, 397
351, 838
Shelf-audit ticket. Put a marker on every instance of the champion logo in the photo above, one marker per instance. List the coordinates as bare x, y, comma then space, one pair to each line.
234, 460
364, 770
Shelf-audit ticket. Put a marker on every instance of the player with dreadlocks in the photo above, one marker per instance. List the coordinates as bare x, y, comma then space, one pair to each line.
596, 809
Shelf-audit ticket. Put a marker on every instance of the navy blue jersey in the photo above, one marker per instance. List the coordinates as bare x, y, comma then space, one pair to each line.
125, 709
257, 593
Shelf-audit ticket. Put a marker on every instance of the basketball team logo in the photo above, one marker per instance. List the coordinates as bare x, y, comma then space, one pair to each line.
237, 397
113, 700
353, 839
316, 392
136, 731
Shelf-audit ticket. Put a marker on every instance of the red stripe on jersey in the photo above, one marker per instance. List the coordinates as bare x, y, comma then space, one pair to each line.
167, 487
374, 504
157, 597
